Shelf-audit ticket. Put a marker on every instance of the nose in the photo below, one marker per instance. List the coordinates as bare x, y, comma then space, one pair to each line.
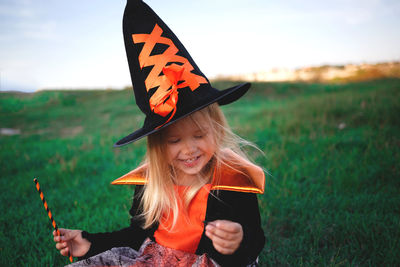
189, 147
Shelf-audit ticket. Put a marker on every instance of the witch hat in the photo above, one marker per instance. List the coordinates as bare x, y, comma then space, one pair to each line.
167, 83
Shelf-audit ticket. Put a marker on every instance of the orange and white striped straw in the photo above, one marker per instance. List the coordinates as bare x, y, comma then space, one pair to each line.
53, 222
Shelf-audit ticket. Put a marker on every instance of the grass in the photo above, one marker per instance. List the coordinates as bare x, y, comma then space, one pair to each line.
332, 150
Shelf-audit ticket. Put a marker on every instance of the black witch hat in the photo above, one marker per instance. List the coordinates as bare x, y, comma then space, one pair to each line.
167, 83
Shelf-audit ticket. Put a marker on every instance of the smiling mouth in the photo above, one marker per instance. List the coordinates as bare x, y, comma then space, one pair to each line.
191, 161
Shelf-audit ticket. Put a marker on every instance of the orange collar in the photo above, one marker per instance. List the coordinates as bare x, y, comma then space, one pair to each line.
241, 175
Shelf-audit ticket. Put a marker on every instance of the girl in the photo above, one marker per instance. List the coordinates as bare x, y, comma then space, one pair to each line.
181, 207
195, 201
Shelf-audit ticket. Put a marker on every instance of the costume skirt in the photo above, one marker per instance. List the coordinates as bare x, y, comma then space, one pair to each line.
149, 254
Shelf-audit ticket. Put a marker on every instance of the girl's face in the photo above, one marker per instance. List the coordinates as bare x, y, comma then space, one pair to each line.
190, 146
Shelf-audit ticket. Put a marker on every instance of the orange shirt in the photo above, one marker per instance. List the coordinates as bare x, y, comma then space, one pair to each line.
189, 228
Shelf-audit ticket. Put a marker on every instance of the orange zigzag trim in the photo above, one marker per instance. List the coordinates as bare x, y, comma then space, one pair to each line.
159, 62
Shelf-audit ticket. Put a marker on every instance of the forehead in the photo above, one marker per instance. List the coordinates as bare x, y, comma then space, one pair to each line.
193, 123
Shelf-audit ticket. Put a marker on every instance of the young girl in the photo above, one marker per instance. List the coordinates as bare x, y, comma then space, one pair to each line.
195, 201
184, 204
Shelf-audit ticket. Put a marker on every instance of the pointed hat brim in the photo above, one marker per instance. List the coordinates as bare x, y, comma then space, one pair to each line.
222, 97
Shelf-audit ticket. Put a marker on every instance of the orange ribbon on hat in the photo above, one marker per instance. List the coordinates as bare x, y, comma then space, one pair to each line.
172, 75
164, 101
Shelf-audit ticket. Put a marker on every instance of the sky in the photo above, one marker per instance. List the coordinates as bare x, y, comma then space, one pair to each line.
54, 44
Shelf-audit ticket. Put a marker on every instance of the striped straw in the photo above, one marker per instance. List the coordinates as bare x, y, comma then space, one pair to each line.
53, 222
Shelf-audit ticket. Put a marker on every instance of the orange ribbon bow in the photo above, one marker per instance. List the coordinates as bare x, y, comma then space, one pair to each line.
165, 99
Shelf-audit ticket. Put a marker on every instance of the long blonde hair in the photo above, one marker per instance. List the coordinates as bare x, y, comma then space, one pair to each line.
159, 198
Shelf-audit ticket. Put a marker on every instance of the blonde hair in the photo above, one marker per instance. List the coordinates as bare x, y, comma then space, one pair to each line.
159, 197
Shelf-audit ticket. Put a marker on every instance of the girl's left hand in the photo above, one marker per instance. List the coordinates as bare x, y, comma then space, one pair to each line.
225, 235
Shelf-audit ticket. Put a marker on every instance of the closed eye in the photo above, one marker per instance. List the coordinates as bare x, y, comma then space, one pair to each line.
199, 136
173, 141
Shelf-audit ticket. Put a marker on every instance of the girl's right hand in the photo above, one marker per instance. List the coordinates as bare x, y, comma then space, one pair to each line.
71, 241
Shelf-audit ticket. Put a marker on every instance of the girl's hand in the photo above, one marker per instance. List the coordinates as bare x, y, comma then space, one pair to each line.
225, 235
71, 241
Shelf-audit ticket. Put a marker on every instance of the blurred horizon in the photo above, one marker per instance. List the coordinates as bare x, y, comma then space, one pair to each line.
75, 45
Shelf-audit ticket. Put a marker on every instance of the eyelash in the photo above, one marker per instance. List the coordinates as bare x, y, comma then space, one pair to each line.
177, 140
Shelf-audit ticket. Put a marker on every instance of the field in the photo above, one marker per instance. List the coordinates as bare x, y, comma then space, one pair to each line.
332, 152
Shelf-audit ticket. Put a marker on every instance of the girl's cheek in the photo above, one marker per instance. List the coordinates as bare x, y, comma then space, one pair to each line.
172, 153
168, 155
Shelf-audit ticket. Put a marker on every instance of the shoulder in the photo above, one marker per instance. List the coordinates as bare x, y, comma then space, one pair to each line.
236, 173
233, 197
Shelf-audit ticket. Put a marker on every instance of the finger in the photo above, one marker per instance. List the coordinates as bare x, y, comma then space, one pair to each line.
228, 226
225, 246
61, 245
64, 251
67, 234
224, 243
64, 231
222, 234
57, 238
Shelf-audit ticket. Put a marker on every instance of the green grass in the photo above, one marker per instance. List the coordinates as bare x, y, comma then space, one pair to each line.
332, 150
